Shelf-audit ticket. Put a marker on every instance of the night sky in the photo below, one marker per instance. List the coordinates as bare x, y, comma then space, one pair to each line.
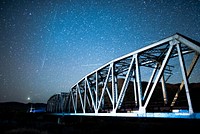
46, 46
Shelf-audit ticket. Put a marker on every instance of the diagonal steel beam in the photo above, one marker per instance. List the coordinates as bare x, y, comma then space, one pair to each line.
160, 72
189, 71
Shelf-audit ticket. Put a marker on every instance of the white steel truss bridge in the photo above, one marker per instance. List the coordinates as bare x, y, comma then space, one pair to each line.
154, 81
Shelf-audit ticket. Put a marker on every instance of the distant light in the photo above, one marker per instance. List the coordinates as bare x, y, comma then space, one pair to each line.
28, 98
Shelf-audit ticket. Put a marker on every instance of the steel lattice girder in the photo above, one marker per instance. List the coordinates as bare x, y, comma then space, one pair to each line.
88, 94
58, 102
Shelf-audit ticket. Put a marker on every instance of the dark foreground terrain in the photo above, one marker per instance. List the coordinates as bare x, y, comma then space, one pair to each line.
15, 119
42, 123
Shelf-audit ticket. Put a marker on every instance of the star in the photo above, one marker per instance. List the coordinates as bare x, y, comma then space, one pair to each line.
46, 45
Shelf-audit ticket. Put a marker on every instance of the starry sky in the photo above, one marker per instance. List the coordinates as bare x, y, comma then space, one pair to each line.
46, 46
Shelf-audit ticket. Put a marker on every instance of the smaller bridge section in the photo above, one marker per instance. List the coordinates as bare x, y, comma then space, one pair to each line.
58, 103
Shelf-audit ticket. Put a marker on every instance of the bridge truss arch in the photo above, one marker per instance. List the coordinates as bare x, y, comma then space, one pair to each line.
142, 83
58, 102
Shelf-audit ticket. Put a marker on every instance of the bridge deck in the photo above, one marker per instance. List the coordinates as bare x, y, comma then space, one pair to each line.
178, 115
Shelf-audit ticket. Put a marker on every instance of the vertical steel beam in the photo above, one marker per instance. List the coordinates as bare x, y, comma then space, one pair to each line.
185, 79
62, 103
165, 99
97, 92
85, 93
135, 90
139, 85
113, 87
76, 100
116, 88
